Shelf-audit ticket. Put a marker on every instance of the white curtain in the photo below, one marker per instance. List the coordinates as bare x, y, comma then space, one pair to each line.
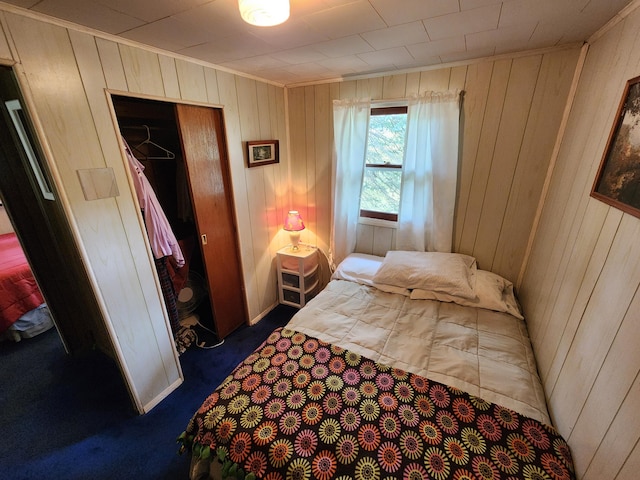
350, 128
429, 173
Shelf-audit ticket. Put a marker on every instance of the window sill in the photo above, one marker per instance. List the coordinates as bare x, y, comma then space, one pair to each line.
377, 222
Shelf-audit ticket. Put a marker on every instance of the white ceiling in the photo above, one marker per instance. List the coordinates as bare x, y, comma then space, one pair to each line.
328, 39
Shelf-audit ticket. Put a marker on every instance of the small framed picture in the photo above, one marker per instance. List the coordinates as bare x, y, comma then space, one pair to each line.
262, 152
618, 179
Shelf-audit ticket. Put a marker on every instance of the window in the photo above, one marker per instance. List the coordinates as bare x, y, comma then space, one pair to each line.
380, 197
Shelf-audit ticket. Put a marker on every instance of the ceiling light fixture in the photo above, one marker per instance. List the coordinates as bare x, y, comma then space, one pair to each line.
264, 13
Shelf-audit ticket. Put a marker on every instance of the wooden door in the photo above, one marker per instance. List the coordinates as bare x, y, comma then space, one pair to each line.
205, 154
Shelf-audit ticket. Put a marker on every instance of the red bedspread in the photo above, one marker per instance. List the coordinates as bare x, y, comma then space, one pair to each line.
19, 292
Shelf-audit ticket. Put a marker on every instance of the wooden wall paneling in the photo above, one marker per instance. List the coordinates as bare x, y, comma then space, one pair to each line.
435, 80
55, 83
621, 440
365, 88
474, 103
457, 81
620, 277
613, 382
111, 63
281, 173
237, 159
268, 121
553, 329
349, 89
549, 312
5, 50
334, 91
142, 71
254, 180
383, 240
458, 77
297, 159
269, 129
564, 194
310, 158
413, 84
549, 99
89, 66
484, 156
46, 52
394, 86
301, 196
192, 81
364, 238
323, 152
598, 412
631, 465
169, 76
623, 60
211, 82
276, 181
579, 180
91, 73
594, 260
513, 125
334, 94
268, 125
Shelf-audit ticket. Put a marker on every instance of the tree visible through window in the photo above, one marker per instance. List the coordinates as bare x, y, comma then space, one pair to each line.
380, 197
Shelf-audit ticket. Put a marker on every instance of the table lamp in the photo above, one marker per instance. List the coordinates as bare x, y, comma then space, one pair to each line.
293, 224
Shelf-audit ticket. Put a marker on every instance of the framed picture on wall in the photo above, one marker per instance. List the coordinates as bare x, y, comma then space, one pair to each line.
262, 152
618, 180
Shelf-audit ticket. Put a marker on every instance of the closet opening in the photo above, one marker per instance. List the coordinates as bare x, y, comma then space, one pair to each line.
182, 151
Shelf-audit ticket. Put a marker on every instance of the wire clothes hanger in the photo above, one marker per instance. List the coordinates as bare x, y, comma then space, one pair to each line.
167, 154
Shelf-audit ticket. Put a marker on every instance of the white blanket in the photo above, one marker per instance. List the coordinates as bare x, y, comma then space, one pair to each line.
485, 353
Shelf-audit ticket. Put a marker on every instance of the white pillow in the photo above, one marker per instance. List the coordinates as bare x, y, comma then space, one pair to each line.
493, 293
358, 267
450, 273
361, 268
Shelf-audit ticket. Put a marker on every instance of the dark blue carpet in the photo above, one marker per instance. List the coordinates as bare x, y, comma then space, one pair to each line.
71, 418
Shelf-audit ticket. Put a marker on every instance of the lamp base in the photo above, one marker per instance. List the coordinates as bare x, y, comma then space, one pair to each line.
295, 240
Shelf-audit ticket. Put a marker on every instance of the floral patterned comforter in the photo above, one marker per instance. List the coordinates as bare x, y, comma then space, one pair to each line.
299, 408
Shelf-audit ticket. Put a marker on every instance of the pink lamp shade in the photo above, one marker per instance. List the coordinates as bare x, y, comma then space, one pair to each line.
293, 222
294, 225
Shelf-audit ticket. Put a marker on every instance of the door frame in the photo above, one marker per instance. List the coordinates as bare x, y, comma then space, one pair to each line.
110, 93
104, 338
50, 224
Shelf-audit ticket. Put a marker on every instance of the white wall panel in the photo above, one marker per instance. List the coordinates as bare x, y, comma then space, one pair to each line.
580, 287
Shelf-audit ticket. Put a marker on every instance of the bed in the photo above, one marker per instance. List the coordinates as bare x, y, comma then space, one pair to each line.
413, 365
23, 313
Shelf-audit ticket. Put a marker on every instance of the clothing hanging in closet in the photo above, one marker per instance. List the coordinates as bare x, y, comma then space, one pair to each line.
164, 244
161, 236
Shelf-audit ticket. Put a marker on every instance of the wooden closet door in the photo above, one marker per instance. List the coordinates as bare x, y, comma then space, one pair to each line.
205, 153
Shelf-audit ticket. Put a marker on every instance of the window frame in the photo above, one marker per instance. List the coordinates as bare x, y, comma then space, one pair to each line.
383, 110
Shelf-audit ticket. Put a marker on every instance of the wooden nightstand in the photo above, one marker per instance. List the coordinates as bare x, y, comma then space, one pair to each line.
298, 275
